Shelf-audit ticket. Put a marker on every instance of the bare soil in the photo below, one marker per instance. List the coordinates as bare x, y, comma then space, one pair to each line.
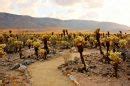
47, 74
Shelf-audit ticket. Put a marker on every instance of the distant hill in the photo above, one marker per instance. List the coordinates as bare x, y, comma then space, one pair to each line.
20, 21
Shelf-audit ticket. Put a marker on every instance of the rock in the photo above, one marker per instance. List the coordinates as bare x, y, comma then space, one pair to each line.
27, 62
22, 68
15, 66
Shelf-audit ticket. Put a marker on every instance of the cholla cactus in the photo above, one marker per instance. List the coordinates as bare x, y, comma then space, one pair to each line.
97, 34
65, 44
1, 38
114, 42
79, 42
114, 38
29, 43
2, 46
115, 57
79, 39
45, 40
122, 43
92, 41
2, 53
65, 38
42, 53
53, 39
36, 46
44, 36
18, 45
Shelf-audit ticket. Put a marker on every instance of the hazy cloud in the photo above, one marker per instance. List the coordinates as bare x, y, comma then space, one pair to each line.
66, 2
89, 3
94, 3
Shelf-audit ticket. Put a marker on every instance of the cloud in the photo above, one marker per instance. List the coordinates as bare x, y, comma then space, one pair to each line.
5, 5
23, 7
66, 2
94, 3
89, 3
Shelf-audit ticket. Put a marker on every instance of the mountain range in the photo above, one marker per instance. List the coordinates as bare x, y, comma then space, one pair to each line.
8, 20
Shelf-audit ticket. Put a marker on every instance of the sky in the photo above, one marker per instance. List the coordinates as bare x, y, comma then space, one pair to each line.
117, 11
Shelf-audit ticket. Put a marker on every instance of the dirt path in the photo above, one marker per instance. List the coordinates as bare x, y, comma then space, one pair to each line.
47, 74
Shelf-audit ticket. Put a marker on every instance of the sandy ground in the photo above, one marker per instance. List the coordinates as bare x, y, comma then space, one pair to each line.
47, 74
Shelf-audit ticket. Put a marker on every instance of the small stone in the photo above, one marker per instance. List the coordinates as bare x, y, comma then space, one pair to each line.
22, 68
27, 62
15, 66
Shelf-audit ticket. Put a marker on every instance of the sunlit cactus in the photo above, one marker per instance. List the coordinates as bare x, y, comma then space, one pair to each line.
65, 45
79, 39
2, 53
79, 42
106, 42
92, 41
65, 38
6, 36
44, 36
97, 34
45, 39
24, 37
2, 46
122, 43
53, 39
115, 56
114, 38
116, 60
42, 53
18, 45
36, 46
114, 42
29, 43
